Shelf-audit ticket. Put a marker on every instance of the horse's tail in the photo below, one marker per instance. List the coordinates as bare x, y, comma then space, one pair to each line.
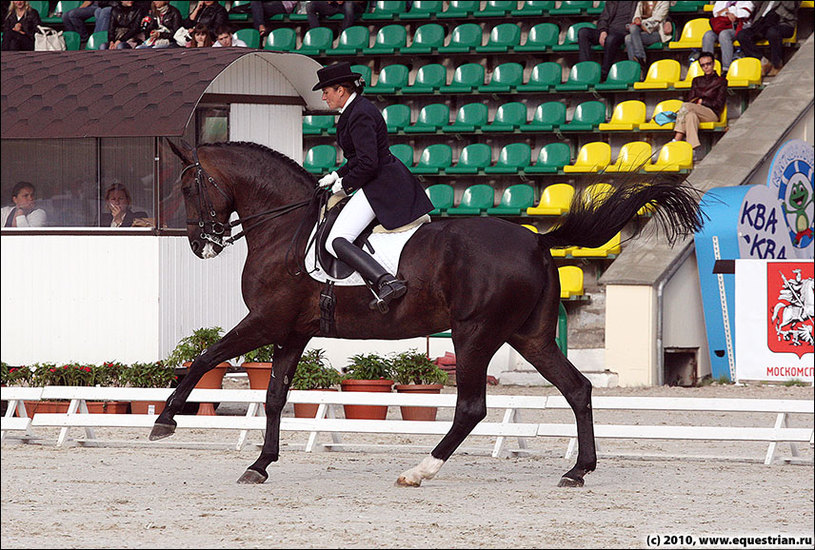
593, 220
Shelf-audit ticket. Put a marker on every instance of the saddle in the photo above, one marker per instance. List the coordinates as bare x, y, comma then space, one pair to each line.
332, 266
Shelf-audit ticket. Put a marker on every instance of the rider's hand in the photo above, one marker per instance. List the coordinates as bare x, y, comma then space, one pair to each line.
337, 187
329, 179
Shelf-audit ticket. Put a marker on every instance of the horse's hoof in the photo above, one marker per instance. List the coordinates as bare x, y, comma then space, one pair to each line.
405, 482
569, 482
252, 477
160, 431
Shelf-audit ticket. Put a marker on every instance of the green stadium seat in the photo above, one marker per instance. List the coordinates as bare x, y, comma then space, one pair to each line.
467, 78
687, 6
474, 158
318, 125
469, 118
72, 40
42, 9
626, 116
474, 201
385, 10
513, 158
509, 117
59, 10
583, 76
442, 196
96, 39
429, 79
352, 41
573, 8
463, 38
316, 41
621, 76
533, 7
281, 39
365, 71
183, 6
435, 158
506, 77
497, 8
569, 43
460, 9
551, 159
403, 152
514, 201
556, 199
432, 118
391, 79
321, 159
427, 39
389, 40
540, 38
423, 9
586, 117
547, 117
543, 78
397, 117
249, 35
503, 37
239, 16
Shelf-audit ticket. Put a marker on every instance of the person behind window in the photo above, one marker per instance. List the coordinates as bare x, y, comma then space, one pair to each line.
160, 26
74, 20
263, 11
351, 12
201, 37
24, 213
117, 201
125, 30
19, 27
226, 39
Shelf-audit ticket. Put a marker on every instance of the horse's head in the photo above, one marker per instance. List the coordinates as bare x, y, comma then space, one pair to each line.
208, 203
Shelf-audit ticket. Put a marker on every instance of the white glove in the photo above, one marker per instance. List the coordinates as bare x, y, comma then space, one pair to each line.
328, 179
337, 187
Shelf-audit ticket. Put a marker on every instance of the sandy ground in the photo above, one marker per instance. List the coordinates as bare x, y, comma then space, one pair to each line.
162, 497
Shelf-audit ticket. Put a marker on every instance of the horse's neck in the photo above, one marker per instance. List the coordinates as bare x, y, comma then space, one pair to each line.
274, 230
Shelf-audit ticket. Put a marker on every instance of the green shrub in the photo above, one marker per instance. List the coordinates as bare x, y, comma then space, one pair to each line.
14, 376
263, 354
312, 373
413, 367
190, 347
370, 366
154, 374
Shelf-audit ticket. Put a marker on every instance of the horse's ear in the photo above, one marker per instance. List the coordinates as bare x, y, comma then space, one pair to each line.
184, 151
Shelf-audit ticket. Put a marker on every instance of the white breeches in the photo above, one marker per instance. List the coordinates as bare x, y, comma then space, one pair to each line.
352, 221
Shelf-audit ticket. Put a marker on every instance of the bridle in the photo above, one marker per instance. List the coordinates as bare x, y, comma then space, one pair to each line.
213, 230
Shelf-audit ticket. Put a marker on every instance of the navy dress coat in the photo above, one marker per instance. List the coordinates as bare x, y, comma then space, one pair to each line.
396, 196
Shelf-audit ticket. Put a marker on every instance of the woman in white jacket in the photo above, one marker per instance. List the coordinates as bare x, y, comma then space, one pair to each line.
738, 13
24, 213
647, 27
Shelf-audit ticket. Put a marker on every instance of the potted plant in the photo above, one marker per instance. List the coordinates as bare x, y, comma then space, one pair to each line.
258, 366
74, 374
12, 376
415, 373
154, 374
368, 373
312, 373
190, 347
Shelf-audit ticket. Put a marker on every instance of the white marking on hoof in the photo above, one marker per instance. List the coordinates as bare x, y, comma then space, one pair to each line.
427, 469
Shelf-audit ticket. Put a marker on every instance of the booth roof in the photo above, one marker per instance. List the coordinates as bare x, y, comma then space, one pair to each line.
132, 93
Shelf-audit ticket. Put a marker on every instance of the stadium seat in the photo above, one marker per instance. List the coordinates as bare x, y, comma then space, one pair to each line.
514, 201
547, 117
627, 116
391, 79
506, 77
423, 9
281, 39
609, 249
249, 35
238, 16
397, 117
691, 35
695, 70
96, 39
389, 40
531, 227
592, 157
692, 6
509, 117
72, 40
533, 7
668, 105
385, 10
475, 200
633, 156
59, 10
582, 7
583, 76
569, 43
183, 7
675, 156
321, 159
744, 73
467, 78
429, 79
543, 78
352, 41
556, 199
470, 117
318, 124
497, 8
441, 195
316, 41
403, 152
434, 159
540, 38
587, 117
552, 157
459, 9
503, 38
717, 125
621, 76
571, 281
365, 71
427, 39
474, 158
431, 118
463, 38
661, 75
42, 9
513, 158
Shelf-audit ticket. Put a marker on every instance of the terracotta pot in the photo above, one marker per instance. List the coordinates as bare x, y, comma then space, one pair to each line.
309, 410
109, 407
33, 407
60, 407
212, 380
259, 375
419, 413
366, 412
144, 407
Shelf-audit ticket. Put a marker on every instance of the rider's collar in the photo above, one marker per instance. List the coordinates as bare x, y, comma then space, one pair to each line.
347, 103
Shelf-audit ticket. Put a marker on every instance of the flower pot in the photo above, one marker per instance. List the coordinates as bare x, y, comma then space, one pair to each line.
108, 407
146, 407
61, 407
259, 375
366, 412
308, 410
211, 380
33, 407
418, 413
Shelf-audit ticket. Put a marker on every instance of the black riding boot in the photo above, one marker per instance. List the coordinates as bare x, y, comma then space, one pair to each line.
387, 286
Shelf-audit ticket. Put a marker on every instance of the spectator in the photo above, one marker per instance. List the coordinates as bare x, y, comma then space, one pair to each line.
19, 27
74, 20
201, 37
24, 213
350, 10
211, 14
647, 27
262, 11
117, 202
612, 28
225, 38
125, 30
732, 15
164, 21
773, 21
703, 102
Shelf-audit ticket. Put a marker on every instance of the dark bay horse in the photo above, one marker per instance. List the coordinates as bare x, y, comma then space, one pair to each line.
488, 280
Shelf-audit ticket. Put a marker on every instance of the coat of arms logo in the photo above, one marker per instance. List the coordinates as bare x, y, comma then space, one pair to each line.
791, 304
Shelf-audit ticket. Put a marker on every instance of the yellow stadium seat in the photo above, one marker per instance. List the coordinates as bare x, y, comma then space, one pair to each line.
597, 192
744, 73
555, 200
721, 123
627, 116
692, 34
532, 228
662, 74
633, 156
791, 40
571, 281
673, 157
663, 106
592, 157
611, 248
695, 70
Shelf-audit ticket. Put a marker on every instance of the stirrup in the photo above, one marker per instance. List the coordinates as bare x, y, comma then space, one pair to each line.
382, 299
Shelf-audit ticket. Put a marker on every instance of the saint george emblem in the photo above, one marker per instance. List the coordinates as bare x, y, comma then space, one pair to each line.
790, 297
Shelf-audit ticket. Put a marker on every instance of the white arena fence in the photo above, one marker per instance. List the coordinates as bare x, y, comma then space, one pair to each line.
329, 419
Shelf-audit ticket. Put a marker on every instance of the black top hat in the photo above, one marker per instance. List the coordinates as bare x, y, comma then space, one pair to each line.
336, 73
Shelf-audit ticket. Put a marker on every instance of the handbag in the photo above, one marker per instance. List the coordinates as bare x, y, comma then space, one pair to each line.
182, 36
47, 39
720, 23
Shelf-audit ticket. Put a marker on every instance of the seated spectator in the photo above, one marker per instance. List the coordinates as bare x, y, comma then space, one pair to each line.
773, 21
211, 14
24, 213
201, 37
648, 27
74, 20
732, 15
160, 25
225, 38
350, 10
612, 28
263, 11
19, 27
125, 30
117, 201
703, 102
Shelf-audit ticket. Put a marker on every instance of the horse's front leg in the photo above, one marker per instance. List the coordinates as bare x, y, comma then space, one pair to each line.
284, 364
245, 337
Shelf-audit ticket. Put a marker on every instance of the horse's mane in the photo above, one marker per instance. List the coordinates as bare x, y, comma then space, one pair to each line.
288, 162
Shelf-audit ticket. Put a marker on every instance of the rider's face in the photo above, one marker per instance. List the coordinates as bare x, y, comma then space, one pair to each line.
334, 96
